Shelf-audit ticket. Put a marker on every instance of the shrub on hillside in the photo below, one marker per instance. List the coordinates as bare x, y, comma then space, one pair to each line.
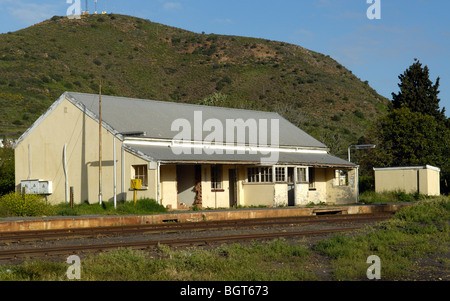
14, 204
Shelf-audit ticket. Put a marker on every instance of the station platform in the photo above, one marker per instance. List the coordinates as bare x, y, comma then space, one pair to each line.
73, 222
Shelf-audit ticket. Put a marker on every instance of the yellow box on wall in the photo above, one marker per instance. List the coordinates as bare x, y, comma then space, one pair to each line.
136, 184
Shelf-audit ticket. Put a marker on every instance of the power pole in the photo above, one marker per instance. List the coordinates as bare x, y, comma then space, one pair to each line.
100, 146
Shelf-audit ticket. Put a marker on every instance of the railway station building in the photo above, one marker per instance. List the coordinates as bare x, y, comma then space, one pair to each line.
112, 148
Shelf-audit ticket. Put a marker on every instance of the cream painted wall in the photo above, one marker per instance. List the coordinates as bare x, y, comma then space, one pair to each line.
342, 194
318, 193
68, 125
219, 198
256, 194
169, 196
433, 182
407, 180
301, 194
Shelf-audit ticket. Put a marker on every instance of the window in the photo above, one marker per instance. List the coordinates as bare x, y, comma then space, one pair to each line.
259, 174
141, 172
302, 175
311, 173
340, 177
266, 174
253, 175
216, 177
280, 174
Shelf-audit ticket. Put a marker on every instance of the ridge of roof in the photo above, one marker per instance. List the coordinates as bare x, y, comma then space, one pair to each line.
175, 103
158, 125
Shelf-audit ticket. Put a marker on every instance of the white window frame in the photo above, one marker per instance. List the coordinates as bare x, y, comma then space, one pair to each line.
140, 171
257, 174
216, 177
305, 173
280, 177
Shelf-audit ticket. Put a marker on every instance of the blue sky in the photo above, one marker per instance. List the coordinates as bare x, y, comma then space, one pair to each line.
376, 50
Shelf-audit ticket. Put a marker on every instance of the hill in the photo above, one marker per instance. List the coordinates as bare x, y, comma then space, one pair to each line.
138, 58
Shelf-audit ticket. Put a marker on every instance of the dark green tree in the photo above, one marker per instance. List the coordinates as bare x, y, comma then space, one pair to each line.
414, 131
417, 92
7, 180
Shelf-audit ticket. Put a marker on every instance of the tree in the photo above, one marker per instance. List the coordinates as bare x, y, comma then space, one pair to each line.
415, 131
411, 138
417, 92
7, 181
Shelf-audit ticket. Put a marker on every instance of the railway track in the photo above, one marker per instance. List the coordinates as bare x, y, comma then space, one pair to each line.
19, 236
198, 241
80, 249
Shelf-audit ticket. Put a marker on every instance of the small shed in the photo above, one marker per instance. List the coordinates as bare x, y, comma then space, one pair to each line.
410, 179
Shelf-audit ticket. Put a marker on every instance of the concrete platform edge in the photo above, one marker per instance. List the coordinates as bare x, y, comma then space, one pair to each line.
49, 223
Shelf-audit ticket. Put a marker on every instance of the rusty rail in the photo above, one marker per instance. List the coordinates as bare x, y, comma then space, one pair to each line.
197, 241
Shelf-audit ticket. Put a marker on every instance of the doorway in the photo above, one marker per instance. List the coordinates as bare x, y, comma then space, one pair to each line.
291, 186
232, 187
187, 188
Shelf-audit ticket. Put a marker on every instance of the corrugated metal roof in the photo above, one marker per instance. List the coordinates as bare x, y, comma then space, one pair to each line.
155, 118
165, 154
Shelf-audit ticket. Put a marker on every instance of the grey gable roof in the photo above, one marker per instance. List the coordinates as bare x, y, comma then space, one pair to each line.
164, 154
155, 118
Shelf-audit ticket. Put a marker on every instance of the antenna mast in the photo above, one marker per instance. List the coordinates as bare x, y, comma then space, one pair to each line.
86, 12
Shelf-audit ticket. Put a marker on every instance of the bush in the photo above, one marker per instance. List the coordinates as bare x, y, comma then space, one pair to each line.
369, 196
143, 206
14, 204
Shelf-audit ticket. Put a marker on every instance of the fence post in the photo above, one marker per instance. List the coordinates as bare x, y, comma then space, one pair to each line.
71, 197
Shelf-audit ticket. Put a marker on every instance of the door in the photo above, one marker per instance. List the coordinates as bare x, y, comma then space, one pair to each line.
291, 187
232, 187
186, 184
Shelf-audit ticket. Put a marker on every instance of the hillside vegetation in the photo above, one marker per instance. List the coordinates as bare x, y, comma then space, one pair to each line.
139, 58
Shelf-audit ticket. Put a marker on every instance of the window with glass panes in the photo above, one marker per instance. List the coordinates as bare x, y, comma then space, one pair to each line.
302, 174
259, 174
216, 177
141, 172
280, 174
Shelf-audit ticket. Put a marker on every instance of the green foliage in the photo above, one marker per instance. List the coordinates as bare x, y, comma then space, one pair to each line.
276, 260
142, 206
408, 138
216, 100
7, 180
415, 130
371, 197
417, 92
414, 232
139, 58
14, 204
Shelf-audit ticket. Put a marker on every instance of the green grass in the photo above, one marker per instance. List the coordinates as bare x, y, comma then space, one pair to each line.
371, 197
276, 260
415, 232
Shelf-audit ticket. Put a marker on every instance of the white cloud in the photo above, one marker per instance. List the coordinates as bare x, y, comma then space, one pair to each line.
303, 32
172, 5
29, 13
223, 21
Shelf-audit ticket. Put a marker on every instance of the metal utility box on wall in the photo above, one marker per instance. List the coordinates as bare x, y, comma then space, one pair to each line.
36, 187
410, 179
136, 184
